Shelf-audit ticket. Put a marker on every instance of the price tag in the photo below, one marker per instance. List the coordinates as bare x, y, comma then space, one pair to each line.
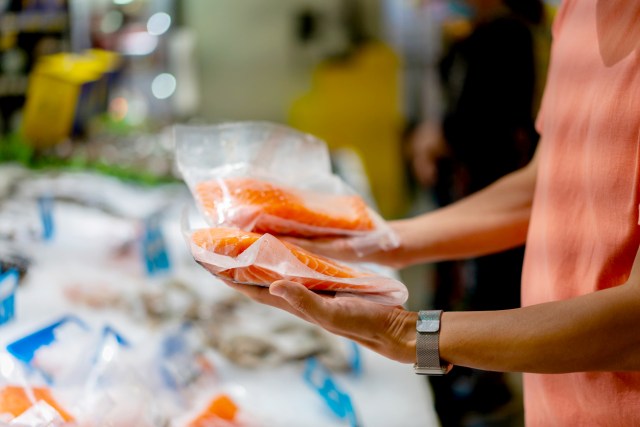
356, 359
154, 248
319, 378
8, 285
45, 207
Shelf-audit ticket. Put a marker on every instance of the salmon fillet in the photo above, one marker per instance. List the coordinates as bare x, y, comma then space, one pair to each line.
15, 400
233, 242
270, 208
222, 407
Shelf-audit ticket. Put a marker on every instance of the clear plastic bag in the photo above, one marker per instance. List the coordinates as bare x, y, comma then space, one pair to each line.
254, 259
268, 178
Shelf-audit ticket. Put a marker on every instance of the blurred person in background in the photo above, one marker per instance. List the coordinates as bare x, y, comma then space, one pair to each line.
489, 81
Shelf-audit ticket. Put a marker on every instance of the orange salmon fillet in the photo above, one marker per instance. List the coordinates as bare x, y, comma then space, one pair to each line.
222, 407
233, 242
282, 210
14, 400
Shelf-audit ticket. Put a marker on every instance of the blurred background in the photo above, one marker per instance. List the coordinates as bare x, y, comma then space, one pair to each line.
421, 102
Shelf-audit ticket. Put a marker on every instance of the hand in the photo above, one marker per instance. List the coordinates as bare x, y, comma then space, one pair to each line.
389, 331
427, 145
343, 248
339, 248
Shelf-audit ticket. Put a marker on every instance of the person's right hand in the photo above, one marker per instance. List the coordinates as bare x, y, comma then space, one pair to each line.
340, 248
344, 248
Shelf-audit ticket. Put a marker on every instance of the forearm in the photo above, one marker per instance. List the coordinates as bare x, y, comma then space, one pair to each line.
594, 332
488, 221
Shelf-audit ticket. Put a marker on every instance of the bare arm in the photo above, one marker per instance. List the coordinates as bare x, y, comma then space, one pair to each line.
594, 332
491, 220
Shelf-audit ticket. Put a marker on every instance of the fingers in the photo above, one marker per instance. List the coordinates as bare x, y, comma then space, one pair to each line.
299, 298
385, 329
292, 297
262, 295
257, 293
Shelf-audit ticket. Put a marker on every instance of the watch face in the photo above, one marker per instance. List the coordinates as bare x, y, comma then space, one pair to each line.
428, 325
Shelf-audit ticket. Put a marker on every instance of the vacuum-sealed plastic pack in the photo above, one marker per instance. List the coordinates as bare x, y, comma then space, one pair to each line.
269, 178
254, 182
26, 400
255, 259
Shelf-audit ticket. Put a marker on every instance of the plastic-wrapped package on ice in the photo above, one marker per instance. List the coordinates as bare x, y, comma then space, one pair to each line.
251, 258
228, 405
25, 400
94, 368
118, 390
221, 411
56, 351
268, 178
32, 407
182, 362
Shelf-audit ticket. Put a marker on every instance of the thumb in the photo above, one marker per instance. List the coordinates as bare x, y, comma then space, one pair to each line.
298, 296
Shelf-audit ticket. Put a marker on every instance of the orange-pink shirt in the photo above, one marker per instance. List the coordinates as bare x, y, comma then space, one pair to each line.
584, 231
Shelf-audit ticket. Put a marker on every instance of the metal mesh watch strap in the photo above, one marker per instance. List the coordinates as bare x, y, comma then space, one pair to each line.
427, 340
427, 349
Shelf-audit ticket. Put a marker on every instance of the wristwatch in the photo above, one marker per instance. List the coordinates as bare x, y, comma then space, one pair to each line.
427, 350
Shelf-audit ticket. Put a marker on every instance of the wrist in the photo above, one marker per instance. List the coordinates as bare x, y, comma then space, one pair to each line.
428, 357
404, 254
401, 340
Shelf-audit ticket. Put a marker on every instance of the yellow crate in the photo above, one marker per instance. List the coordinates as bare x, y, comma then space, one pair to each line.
65, 91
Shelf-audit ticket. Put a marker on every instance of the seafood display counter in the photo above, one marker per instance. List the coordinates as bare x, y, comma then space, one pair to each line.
106, 320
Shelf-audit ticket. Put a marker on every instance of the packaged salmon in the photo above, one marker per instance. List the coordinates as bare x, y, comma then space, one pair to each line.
268, 178
16, 400
260, 259
220, 412
268, 207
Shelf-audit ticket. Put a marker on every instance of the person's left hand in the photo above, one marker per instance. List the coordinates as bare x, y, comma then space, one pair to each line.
387, 330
